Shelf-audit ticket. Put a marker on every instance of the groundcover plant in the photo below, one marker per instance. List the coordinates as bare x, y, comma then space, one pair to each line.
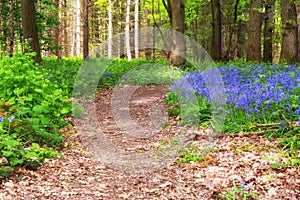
255, 94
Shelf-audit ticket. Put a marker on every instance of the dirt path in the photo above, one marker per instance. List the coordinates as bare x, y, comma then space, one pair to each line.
79, 176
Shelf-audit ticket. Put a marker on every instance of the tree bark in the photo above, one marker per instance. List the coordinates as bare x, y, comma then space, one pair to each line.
59, 31
66, 30
129, 57
110, 27
268, 32
254, 37
289, 45
85, 29
136, 29
29, 26
11, 29
77, 38
298, 20
216, 45
178, 54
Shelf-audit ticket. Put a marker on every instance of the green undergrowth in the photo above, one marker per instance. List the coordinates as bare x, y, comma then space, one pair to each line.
32, 110
277, 115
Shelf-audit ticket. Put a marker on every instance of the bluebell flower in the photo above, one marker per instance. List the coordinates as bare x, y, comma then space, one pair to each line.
1, 119
11, 118
244, 186
282, 124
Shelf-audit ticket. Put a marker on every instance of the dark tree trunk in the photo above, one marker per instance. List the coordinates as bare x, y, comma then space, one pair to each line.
216, 45
85, 29
66, 31
241, 44
177, 57
289, 45
11, 29
298, 20
268, 32
30, 32
254, 37
59, 31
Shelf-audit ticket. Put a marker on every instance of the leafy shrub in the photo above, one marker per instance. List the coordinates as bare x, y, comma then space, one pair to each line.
32, 109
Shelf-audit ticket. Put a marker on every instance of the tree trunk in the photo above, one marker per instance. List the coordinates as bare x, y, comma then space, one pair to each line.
85, 29
254, 37
59, 31
216, 45
127, 31
110, 27
268, 32
66, 30
298, 20
136, 29
178, 55
289, 45
77, 40
29, 26
11, 29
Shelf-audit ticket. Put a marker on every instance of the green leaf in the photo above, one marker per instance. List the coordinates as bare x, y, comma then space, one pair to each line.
16, 161
35, 121
65, 110
7, 153
35, 146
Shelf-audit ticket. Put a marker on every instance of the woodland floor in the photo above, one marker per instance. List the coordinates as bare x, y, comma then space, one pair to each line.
79, 176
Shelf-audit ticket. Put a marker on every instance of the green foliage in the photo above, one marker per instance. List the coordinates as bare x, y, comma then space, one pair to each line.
137, 71
274, 113
190, 154
198, 111
238, 193
32, 109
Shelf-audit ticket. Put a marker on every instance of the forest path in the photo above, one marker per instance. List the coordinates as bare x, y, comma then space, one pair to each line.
79, 176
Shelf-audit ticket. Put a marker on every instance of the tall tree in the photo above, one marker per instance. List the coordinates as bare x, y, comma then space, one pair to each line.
177, 17
30, 31
11, 28
298, 19
289, 45
268, 31
127, 34
136, 28
85, 29
216, 45
254, 37
77, 19
59, 31
110, 29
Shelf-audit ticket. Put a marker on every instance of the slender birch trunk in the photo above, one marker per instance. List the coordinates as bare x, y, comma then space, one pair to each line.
109, 49
136, 29
127, 31
77, 52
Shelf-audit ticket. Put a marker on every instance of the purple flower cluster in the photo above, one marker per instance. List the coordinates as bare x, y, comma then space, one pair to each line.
254, 89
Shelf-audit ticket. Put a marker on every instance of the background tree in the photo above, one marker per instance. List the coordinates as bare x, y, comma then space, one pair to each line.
136, 28
177, 15
128, 51
216, 45
110, 28
254, 36
12, 28
289, 45
59, 31
268, 31
29, 26
77, 18
85, 28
